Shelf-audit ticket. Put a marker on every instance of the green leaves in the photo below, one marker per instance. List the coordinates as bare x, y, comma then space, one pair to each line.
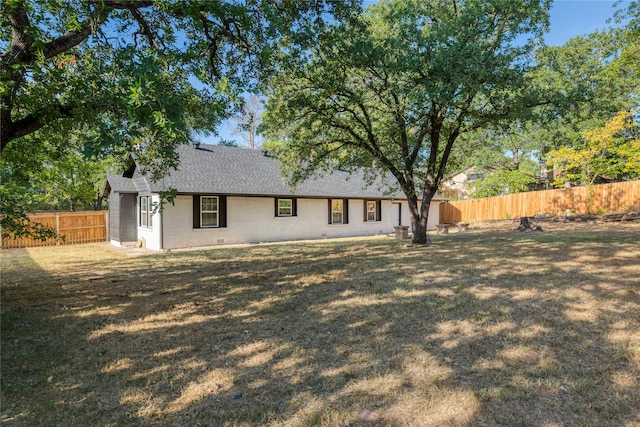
605, 153
190, 56
85, 81
585, 84
397, 87
503, 182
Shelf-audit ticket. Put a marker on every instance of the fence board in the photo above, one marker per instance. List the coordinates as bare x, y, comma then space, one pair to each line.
617, 197
75, 227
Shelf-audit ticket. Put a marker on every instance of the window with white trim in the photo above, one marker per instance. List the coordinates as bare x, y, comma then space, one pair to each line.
338, 211
371, 210
146, 212
209, 211
285, 207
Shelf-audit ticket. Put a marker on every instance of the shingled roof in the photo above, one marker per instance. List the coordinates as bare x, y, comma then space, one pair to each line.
217, 169
119, 184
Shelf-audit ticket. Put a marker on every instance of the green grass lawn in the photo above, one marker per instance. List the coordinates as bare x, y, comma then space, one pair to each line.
484, 328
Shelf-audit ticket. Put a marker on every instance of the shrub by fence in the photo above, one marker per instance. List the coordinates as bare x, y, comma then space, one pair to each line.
617, 197
72, 227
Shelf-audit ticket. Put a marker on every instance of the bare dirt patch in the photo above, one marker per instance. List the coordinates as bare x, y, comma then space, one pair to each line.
489, 327
577, 223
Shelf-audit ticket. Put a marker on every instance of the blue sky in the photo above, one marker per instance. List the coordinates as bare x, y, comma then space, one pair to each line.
568, 19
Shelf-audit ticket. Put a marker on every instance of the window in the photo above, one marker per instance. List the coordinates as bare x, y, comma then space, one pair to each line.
372, 210
208, 211
286, 207
146, 212
338, 211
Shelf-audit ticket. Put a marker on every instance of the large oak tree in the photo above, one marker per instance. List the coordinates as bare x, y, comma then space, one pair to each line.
102, 78
398, 87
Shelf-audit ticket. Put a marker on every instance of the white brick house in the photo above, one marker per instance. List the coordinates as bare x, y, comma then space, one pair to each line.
229, 195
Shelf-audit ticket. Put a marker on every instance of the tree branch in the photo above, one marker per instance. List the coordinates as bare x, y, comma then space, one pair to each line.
31, 123
23, 52
145, 30
21, 41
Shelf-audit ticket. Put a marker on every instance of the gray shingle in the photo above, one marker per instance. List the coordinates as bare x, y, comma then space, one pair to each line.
241, 171
119, 184
217, 169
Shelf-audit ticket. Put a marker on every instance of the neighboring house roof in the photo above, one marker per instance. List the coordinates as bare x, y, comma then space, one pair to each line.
484, 170
241, 171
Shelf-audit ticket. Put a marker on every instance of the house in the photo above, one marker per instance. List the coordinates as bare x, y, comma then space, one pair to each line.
459, 185
228, 195
462, 184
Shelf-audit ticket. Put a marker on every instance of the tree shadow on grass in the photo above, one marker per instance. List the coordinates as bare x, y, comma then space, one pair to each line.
474, 330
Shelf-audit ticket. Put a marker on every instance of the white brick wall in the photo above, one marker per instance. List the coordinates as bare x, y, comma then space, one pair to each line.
151, 236
252, 219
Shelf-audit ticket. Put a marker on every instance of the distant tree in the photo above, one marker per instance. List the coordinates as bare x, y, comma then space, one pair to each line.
583, 83
248, 119
590, 79
228, 143
396, 88
503, 147
51, 176
607, 153
503, 182
628, 61
72, 183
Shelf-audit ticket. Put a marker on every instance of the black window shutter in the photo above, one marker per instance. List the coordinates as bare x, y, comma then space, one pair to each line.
345, 211
276, 200
196, 211
222, 211
364, 202
330, 218
379, 210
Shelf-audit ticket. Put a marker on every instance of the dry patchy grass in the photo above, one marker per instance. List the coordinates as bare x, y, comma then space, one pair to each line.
484, 328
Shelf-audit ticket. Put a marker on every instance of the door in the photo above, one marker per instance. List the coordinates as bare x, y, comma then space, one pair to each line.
397, 214
128, 218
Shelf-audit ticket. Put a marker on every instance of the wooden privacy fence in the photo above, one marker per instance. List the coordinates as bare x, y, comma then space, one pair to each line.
617, 197
75, 227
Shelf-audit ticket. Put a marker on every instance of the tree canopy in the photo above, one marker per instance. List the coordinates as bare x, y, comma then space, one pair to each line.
103, 78
583, 84
399, 85
610, 152
588, 83
147, 71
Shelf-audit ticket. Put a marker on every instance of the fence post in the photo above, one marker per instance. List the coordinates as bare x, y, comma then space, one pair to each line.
106, 225
57, 229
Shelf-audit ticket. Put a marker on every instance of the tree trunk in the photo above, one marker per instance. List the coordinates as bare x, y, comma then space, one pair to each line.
419, 230
419, 218
527, 224
98, 205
